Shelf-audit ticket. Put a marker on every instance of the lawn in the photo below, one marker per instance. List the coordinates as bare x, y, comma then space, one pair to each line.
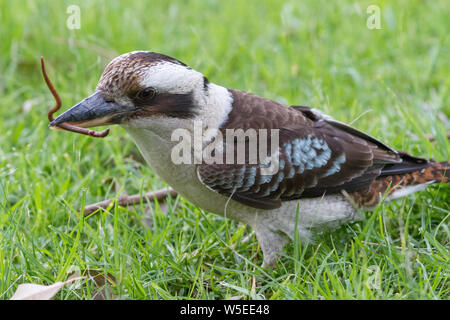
392, 83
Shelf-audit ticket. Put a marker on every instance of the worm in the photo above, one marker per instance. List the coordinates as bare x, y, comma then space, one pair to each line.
51, 112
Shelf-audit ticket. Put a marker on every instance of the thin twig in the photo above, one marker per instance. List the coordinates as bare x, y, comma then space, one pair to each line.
131, 200
57, 106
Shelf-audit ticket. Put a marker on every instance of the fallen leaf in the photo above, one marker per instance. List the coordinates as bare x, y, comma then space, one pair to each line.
104, 282
31, 291
235, 298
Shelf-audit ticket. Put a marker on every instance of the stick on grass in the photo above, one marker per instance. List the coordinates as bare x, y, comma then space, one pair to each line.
130, 200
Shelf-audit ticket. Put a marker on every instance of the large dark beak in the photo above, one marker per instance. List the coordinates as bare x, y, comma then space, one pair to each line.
90, 112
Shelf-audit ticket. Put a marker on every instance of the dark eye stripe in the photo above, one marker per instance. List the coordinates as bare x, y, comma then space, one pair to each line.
179, 105
144, 96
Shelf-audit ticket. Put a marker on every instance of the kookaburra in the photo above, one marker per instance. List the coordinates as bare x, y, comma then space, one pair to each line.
326, 171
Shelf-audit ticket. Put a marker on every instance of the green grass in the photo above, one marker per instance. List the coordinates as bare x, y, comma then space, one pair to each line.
392, 83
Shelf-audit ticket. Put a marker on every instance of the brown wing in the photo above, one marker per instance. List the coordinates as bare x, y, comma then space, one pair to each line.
317, 155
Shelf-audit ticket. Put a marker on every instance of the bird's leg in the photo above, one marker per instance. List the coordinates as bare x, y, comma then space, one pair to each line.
271, 243
52, 111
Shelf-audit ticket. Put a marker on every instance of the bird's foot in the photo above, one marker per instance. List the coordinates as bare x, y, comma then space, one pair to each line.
271, 243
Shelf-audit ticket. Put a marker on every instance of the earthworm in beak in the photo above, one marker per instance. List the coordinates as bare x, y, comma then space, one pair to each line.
51, 112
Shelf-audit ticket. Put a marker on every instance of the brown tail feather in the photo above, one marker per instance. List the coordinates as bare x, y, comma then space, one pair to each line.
434, 172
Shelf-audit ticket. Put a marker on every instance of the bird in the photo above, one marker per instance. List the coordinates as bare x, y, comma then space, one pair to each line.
324, 172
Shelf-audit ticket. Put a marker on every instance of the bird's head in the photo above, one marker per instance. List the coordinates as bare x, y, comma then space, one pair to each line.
139, 89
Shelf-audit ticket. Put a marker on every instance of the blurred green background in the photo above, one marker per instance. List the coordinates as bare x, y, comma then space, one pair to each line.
391, 82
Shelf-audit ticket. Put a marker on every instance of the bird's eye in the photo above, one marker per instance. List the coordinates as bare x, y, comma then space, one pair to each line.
146, 94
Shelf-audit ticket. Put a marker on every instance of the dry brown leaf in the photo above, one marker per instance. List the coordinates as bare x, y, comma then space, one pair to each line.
31, 291
104, 282
235, 297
